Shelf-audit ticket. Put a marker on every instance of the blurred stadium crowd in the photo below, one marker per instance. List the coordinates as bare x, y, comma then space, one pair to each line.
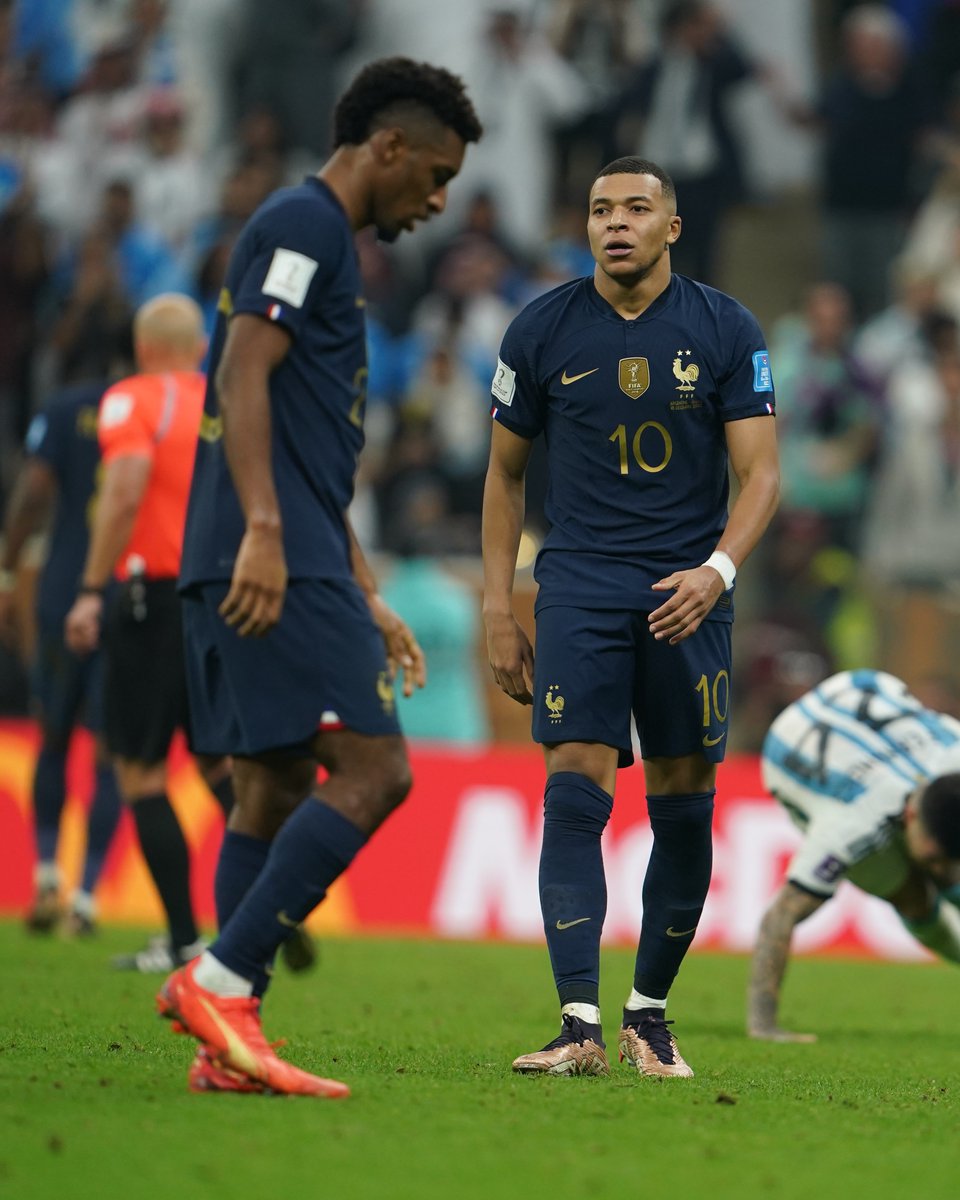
137, 136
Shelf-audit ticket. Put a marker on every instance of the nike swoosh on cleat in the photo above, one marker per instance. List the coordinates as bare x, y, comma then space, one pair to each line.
709, 741
671, 932
578, 921
239, 1053
565, 378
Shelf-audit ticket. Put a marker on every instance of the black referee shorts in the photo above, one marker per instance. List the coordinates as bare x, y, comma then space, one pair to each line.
145, 689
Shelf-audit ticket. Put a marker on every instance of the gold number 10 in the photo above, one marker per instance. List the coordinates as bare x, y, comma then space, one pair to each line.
619, 436
716, 694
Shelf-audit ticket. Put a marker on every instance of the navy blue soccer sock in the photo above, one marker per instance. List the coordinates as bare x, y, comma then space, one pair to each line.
241, 860
573, 889
313, 848
168, 859
102, 821
675, 887
49, 794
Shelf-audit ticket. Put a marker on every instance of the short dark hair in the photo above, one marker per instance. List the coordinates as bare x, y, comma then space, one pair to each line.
630, 164
939, 810
400, 83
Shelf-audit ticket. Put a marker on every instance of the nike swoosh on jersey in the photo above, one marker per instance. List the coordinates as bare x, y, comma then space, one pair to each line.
565, 378
567, 924
709, 741
285, 921
671, 932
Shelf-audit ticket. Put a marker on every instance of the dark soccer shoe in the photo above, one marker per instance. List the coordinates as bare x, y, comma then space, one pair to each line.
46, 913
299, 951
573, 1052
650, 1047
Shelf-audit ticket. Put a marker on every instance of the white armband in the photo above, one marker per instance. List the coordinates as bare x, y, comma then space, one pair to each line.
723, 564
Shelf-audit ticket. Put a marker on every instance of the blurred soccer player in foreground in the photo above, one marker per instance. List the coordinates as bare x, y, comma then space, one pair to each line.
148, 431
645, 385
873, 780
291, 652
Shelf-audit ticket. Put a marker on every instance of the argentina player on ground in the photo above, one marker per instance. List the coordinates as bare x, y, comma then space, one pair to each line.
645, 386
872, 777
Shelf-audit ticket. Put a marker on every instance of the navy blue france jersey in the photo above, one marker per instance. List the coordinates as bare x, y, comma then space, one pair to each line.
633, 414
295, 263
64, 436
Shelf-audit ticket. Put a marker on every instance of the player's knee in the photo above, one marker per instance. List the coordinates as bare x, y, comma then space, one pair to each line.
387, 782
575, 804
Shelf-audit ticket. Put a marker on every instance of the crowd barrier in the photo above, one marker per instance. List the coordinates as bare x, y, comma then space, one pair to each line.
459, 859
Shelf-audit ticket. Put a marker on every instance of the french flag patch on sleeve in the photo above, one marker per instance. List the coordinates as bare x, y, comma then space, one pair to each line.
275, 312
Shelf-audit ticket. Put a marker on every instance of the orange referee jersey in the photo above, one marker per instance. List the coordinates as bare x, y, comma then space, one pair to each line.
155, 417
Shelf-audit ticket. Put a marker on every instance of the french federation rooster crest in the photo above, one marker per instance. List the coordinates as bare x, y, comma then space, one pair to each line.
688, 375
554, 703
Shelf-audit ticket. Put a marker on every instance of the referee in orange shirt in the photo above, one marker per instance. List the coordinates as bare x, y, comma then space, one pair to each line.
148, 426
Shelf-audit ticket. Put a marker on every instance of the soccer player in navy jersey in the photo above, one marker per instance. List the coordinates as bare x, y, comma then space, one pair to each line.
645, 386
291, 652
58, 479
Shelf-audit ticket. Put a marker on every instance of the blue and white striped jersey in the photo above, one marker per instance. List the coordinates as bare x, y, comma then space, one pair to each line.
842, 760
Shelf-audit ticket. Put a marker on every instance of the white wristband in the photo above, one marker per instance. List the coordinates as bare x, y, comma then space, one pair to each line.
723, 564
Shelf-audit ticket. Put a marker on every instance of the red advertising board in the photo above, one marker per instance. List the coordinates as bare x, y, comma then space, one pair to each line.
459, 859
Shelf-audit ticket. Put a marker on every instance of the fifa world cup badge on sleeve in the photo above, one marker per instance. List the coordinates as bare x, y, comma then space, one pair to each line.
504, 383
762, 379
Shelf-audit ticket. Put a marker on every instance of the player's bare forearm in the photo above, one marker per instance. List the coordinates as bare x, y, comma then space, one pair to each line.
254, 348
770, 956
508, 647
30, 505
358, 563
124, 484
752, 446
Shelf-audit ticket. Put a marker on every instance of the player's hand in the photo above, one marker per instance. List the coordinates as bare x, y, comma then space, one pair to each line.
82, 627
774, 1034
695, 592
404, 653
255, 601
511, 656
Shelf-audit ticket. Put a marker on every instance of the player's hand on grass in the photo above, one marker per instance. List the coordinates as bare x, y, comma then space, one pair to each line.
404, 653
82, 627
255, 600
695, 592
774, 1034
511, 656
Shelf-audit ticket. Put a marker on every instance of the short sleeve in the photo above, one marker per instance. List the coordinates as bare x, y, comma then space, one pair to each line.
295, 252
518, 401
124, 428
834, 844
45, 439
746, 383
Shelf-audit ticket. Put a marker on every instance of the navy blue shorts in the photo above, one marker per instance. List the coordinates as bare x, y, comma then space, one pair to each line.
67, 687
323, 666
594, 667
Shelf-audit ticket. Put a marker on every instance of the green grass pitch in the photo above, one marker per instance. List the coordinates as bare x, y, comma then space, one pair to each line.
93, 1102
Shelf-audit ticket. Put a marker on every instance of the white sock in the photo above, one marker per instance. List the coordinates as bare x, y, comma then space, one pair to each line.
83, 904
635, 1001
583, 1012
46, 875
211, 974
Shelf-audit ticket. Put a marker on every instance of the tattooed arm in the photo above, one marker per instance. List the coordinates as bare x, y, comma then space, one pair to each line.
790, 906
